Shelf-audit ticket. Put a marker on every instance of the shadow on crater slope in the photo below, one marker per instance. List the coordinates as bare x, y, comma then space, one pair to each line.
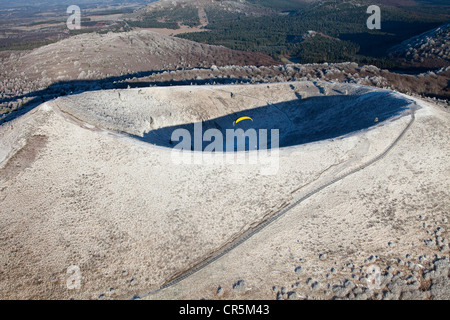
299, 121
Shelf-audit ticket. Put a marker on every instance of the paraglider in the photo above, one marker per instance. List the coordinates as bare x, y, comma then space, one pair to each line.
241, 119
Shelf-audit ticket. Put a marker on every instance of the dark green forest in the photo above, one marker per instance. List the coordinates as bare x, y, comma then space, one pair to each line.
342, 34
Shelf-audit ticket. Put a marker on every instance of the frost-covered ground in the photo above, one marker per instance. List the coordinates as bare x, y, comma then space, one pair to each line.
74, 190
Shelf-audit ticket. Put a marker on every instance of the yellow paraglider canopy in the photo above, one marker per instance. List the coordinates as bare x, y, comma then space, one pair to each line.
241, 119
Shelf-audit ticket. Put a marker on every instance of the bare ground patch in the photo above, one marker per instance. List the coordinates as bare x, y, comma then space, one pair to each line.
24, 158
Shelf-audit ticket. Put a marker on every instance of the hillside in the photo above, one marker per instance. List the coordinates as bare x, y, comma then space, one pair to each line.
95, 56
430, 49
83, 183
274, 27
334, 180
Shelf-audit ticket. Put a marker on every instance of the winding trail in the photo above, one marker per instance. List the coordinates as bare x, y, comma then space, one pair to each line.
283, 210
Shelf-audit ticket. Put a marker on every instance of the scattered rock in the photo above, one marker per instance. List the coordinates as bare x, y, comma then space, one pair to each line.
293, 295
298, 270
240, 286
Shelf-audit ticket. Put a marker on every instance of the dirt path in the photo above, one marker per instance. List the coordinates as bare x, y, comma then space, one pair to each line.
283, 210
203, 17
